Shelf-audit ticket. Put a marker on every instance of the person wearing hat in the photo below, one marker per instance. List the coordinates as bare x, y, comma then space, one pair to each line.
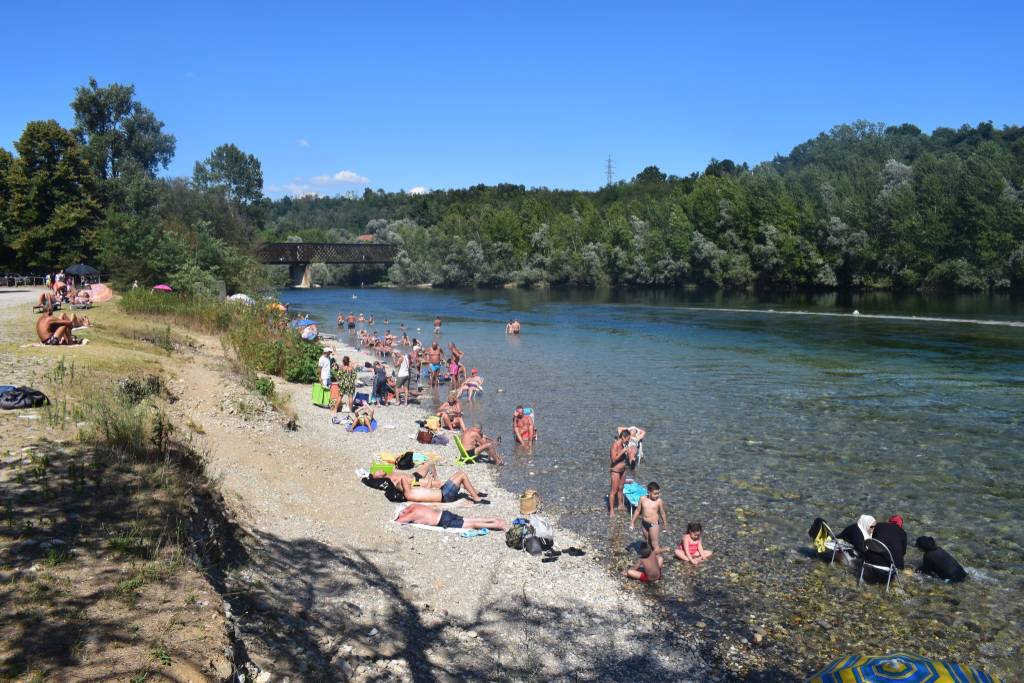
938, 563
890, 533
324, 366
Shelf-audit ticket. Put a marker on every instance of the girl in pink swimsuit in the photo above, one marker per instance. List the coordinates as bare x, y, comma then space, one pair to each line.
690, 548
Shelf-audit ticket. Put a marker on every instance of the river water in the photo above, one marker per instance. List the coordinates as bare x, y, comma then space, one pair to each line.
761, 415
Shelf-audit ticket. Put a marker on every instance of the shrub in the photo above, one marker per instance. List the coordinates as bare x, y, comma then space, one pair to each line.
264, 386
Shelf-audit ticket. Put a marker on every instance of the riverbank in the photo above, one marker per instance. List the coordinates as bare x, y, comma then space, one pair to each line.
95, 573
321, 585
364, 597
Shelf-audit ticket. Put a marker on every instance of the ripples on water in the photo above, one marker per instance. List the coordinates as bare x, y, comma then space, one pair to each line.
758, 421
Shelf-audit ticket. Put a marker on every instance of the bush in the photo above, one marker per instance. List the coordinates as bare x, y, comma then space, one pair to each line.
302, 363
264, 386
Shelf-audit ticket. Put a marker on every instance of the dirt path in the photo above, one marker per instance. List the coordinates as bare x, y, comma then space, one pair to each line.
330, 588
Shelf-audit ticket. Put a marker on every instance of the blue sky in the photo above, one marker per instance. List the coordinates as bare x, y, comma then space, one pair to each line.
337, 96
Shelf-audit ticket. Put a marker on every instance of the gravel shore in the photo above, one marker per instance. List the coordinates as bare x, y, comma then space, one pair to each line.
332, 589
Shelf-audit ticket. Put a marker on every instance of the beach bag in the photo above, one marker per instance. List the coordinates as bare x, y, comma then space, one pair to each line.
542, 528
425, 436
22, 397
405, 462
528, 502
440, 440
533, 545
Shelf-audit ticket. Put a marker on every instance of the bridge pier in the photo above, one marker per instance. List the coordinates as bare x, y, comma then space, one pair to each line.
299, 275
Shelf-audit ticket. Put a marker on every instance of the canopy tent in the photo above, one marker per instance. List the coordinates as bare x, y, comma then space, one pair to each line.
81, 270
901, 668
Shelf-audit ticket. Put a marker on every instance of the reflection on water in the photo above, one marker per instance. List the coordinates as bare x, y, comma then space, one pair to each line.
758, 421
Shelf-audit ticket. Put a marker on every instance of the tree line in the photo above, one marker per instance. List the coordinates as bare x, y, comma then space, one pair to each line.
861, 206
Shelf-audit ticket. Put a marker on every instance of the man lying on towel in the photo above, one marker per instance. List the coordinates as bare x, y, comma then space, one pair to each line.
431, 490
424, 514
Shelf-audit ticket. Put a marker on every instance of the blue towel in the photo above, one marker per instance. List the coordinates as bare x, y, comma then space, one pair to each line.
633, 492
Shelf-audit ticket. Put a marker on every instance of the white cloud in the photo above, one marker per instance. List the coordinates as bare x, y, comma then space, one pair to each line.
417, 190
349, 177
302, 142
295, 189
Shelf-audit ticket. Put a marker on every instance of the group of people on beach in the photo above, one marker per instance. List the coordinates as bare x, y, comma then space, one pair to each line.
57, 330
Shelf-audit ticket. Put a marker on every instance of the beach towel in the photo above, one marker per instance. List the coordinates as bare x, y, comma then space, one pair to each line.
634, 492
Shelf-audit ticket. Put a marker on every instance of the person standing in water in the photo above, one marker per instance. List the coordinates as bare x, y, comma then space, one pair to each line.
617, 470
437, 325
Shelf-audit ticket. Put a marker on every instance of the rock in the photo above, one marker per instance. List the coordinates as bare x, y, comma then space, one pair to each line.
701, 624
362, 652
757, 638
472, 634
373, 632
264, 677
222, 667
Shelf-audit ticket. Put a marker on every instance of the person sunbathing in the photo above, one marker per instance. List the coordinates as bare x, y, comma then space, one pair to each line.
476, 443
57, 330
424, 514
434, 491
450, 413
472, 386
47, 301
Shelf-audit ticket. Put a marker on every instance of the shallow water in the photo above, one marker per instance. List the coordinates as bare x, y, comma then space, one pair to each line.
763, 414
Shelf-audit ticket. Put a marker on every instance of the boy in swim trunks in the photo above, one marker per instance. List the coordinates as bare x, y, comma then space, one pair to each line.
648, 567
424, 514
650, 508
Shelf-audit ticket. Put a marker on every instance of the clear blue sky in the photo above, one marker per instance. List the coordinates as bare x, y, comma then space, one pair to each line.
333, 96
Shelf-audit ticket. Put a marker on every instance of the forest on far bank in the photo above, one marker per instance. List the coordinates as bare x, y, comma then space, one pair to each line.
862, 206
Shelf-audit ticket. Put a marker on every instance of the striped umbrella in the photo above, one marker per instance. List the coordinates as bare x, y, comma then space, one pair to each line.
898, 668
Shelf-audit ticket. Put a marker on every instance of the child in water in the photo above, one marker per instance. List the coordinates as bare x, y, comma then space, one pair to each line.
652, 509
690, 548
648, 567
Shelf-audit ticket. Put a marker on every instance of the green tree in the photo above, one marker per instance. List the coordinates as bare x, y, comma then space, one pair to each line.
230, 170
52, 211
119, 132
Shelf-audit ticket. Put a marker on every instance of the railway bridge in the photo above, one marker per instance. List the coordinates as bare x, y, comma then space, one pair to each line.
298, 256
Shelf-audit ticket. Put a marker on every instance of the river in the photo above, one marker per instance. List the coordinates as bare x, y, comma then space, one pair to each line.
762, 414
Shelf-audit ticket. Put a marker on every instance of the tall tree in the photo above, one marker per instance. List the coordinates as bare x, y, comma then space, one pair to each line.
52, 212
119, 132
228, 169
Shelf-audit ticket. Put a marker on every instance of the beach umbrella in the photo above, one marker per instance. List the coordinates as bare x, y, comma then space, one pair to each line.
81, 269
303, 322
162, 288
242, 299
898, 668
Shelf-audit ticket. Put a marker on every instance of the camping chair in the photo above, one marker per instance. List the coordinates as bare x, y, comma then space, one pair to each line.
838, 544
464, 457
873, 544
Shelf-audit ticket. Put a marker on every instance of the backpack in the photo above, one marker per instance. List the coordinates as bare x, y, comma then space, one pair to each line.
22, 397
517, 534
405, 462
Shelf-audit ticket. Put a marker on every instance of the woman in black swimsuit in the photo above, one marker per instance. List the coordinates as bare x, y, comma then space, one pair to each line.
618, 471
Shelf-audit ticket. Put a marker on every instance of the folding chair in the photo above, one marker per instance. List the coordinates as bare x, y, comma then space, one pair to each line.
838, 545
464, 457
874, 545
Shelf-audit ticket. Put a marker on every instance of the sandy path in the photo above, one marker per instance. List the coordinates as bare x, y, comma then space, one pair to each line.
333, 589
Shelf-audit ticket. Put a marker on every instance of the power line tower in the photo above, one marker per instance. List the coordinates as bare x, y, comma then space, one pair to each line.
609, 170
